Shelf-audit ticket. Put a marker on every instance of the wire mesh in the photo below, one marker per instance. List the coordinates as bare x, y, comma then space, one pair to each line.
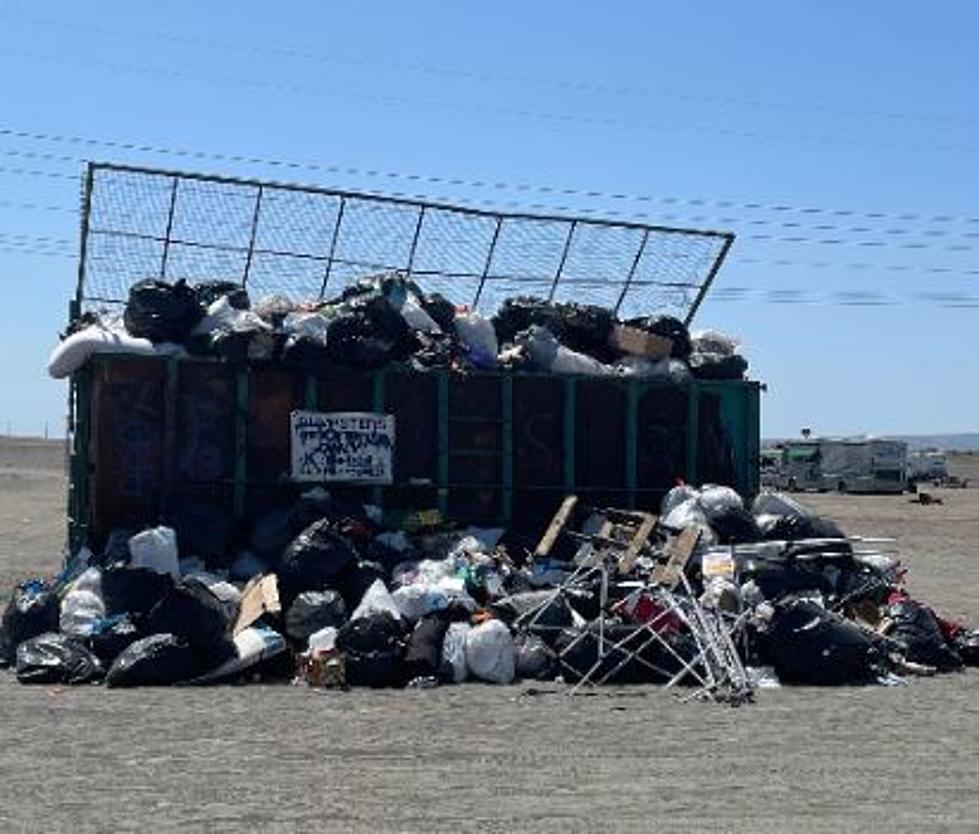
309, 243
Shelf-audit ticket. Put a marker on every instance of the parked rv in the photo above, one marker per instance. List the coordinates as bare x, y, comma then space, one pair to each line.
844, 465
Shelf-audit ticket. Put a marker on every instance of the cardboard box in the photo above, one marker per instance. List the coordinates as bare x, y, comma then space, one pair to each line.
639, 343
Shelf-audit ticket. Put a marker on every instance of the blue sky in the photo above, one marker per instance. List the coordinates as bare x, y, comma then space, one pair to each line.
839, 140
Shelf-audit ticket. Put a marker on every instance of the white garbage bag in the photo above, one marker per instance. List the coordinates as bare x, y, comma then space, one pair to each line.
717, 500
75, 351
454, 667
477, 333
416, 600
82, 605
156, 549
490, 652
675, 497
376, 598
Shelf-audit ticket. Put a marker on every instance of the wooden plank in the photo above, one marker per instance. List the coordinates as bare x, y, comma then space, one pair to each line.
557, 524
627, 560
680, 549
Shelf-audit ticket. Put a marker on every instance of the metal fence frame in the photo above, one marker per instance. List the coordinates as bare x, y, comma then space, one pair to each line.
714, 244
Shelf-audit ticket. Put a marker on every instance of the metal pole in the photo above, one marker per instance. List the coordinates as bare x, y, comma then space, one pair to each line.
632, 271
489, 261
564, 257
83, 236
709, 280
166, 236
414, 240
333, 246
251, 241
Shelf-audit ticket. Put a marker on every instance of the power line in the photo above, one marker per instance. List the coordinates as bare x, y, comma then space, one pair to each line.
455, 73
487, 184
360, 95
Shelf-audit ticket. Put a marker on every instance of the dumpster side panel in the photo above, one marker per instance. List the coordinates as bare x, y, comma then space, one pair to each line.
505, 449
127, 443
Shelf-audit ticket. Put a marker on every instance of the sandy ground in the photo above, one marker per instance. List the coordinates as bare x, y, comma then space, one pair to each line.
495, 759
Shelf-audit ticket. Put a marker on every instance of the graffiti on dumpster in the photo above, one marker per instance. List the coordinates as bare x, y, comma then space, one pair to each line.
342, 447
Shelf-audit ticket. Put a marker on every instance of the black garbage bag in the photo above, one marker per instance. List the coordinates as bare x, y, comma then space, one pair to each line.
305, 355
668, 327
274, 531
423, 655
715, 366
355, 578
581, 327
162, 312
56, 658
33, 610
157, 660
194, 615
207, 292
806, 644
313, 610
442, 311
111, 636
915, 626
353, 340
967, 646
134, 591
636, 658
779, 575
781, 518
313, 560
732, 525
374, 648
534, 659
793, 528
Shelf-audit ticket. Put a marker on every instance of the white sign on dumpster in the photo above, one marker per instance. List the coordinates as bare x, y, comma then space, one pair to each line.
342, 447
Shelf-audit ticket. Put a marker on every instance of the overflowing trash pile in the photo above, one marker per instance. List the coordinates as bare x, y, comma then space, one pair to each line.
387, 319
712, 597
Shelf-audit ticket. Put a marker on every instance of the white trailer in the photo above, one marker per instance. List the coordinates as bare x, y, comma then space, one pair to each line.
844, 465
927, 465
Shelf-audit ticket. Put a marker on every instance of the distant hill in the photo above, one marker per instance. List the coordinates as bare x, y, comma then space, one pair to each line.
963, 442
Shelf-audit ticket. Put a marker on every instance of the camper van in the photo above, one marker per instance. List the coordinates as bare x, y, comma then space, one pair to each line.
844, 465
927, 465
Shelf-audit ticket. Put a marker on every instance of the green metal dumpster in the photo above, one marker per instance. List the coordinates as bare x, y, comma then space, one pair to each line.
149, 433
492, 448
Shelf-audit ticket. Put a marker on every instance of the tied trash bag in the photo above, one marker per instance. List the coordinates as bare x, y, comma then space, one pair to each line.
111, 636
534, 659
580, 327
134, 591
374, 647
312, 611
313, 560
489, 652
162, 312
781, 518
423, 656
56, 658
207, 292
453, 667
727, 516
32, 610
194, 615
156, 549
916, 627
82, 606
806, 644
157, 660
